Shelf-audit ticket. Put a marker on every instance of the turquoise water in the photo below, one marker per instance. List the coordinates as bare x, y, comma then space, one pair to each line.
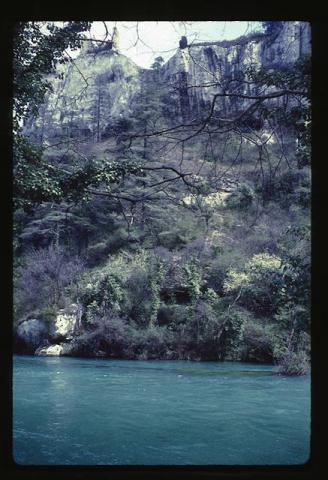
73, 411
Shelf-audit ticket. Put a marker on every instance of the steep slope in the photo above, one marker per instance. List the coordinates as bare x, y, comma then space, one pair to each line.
201, 254
101, 86
204, 69
87, 95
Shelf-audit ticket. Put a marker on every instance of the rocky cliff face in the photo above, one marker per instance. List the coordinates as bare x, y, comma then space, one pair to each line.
87, 95
214, 65
102, 86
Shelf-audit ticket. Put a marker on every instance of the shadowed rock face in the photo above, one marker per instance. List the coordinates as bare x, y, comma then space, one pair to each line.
101, 87
206, 64
30, 334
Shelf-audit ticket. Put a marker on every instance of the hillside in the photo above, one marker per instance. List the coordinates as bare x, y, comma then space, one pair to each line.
170, 216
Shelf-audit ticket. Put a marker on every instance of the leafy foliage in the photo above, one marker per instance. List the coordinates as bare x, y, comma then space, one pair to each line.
258, 284
50, 273
38, 47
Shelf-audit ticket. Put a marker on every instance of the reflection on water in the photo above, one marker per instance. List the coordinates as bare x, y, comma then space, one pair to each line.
98, 412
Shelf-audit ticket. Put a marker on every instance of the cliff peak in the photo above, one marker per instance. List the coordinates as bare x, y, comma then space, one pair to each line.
101, 84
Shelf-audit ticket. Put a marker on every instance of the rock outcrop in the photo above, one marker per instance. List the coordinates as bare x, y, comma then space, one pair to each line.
101, 86
66, 323
30, 334
53, 350
212, 65
88, 95
49, 338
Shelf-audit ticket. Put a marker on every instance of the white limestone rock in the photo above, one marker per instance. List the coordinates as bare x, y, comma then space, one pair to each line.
66, 322
50, 350
102, 86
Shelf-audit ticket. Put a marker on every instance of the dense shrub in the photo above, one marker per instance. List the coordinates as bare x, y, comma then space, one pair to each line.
294, 363
100, 294
294, 188
242, 198
257, 342
258, 284
115, 337
138, 306
42, 279
97, 252
109, 336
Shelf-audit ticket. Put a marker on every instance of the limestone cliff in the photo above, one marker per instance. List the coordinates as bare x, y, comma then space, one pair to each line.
203, 69
101, 86
94, 89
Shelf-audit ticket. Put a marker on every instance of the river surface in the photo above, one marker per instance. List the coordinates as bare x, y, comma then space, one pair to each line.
74, 411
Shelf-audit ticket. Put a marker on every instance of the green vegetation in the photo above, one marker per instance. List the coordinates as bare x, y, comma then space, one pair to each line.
209, 264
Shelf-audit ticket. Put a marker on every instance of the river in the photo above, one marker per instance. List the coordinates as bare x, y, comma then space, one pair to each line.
77, 411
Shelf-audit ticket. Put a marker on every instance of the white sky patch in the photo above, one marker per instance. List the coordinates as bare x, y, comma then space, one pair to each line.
144, 41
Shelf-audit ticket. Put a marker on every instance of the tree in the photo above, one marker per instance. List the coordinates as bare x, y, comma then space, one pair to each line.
258, 285
38, 48
272, 27
158, 62
48, 272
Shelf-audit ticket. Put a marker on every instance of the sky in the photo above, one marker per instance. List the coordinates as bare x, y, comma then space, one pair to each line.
144, 41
